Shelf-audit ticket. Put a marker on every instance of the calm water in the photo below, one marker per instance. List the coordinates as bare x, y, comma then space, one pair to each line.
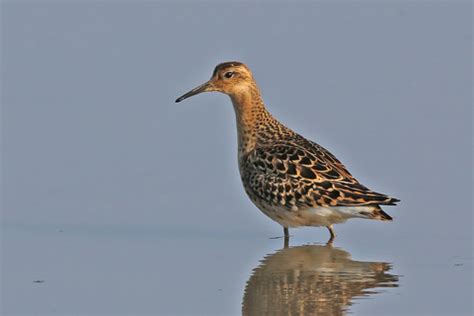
149, 270
313, 279
116, 201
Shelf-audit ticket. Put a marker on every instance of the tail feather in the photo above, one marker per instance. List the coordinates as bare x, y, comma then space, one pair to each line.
391, 201
376, 213
381, 215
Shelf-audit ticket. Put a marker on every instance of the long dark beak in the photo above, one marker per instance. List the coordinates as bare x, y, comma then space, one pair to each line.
202, 88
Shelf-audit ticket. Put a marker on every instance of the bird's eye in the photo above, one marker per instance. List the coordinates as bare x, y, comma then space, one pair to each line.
229, 74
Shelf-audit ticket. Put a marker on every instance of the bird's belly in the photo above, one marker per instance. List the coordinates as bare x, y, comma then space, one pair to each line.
314, 216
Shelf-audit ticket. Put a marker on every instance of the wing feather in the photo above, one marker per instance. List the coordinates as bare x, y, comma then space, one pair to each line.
301, 174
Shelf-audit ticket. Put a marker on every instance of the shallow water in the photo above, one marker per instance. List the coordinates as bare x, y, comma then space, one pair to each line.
313, 279
116, 201
149, 270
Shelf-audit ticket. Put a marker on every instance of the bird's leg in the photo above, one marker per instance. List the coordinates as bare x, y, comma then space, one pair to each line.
287, 237
333, 234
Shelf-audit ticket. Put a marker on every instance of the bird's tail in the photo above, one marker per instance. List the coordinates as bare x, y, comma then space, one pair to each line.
376, 213
381, 215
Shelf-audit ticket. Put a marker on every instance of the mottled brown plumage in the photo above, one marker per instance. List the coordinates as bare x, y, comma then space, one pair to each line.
294, 181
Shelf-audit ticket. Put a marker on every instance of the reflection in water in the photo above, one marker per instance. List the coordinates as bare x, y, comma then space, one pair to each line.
312, 279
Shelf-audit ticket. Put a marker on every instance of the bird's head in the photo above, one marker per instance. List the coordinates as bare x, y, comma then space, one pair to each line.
230, 78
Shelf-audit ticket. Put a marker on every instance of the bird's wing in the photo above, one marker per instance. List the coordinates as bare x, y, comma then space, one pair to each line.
291, 174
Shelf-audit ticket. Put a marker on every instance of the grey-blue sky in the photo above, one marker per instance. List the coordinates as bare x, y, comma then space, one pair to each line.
91, 135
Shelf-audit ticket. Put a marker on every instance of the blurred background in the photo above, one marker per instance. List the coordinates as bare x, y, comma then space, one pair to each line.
116, 200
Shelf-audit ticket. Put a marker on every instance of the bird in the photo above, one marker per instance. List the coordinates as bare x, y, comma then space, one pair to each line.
294, 181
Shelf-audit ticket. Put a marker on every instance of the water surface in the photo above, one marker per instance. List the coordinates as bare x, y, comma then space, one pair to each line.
313, 279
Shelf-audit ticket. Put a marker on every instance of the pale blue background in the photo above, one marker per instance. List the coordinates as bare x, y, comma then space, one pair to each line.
124, 202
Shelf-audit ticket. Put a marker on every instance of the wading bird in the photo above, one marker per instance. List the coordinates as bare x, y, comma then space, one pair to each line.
291, 179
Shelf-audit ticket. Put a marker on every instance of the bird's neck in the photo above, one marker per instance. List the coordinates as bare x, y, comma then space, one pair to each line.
251, 116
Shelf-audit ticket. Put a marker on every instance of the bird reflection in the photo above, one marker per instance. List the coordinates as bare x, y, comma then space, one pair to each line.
312, 279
